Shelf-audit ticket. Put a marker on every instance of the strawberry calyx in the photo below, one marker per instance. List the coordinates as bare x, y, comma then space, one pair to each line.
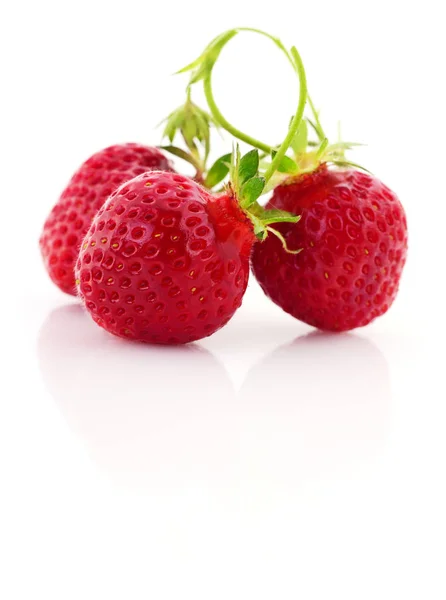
322, 150
246, 185
193, 124
309, 154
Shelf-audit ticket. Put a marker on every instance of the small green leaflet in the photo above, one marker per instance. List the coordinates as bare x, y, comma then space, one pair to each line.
315, 128
189, 130
181, 154
300, 141
173, 121
204, 63
259, 228
316, 124
262, 218
251, 190
287, 164
344, 145
218, 171
249, 165
204, 135
268, 217
348, 163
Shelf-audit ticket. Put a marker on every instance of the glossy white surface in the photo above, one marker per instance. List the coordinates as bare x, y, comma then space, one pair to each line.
268, 461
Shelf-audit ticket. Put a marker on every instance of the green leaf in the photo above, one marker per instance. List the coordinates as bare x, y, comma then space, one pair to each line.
278, 216
219, 42
348, 163
274, 215
300, 141
249, 165
313, 126
316, 124
202, 125
259, 227
193, 65
202, 71
204, 63
287, 165
173, 121
181, 154
189, 130
252, 190
344, 145
218, 171
204, 121
169, 131
262, 219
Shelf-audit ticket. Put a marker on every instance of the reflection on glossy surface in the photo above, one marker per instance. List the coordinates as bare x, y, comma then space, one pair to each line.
167, 418
318, 407
145, 413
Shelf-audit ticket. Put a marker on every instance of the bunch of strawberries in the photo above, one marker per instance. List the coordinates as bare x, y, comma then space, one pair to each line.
159, 257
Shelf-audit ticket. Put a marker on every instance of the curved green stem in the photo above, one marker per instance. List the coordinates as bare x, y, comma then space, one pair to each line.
298, 67
220, 119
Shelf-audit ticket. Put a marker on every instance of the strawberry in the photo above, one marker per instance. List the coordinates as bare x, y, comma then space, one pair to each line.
88, 189
165, 261
353, 235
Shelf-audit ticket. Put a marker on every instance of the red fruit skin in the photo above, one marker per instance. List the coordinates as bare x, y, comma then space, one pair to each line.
87, 191
164, 260
353, 235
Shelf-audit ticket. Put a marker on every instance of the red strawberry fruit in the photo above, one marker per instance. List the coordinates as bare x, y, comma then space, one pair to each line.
353, 236
87, 191
164, 260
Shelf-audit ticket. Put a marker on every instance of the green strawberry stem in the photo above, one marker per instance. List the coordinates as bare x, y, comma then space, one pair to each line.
220, 119
246, 182
295, 123
275, 164
210, 57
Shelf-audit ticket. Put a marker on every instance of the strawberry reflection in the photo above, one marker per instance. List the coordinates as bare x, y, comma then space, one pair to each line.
148, 415
167, 418
316, 408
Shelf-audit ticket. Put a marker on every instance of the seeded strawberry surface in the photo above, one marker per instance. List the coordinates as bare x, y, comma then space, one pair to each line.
164, 260
353, 235
87, 191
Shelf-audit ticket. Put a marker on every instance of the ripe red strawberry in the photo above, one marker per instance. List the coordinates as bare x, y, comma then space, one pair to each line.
87, 191
164, 260
353, 235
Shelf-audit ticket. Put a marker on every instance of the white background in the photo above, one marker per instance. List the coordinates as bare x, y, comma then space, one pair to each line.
267, 461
